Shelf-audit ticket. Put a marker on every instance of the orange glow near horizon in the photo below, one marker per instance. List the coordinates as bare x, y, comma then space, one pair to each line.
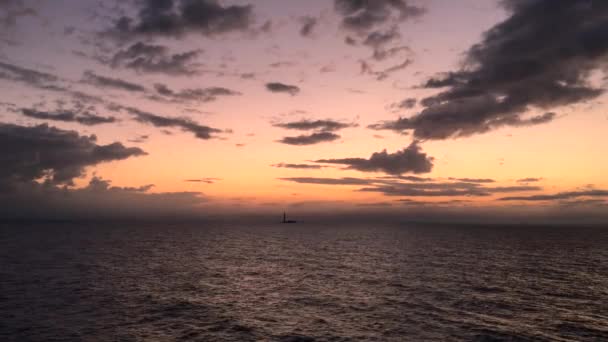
337, 81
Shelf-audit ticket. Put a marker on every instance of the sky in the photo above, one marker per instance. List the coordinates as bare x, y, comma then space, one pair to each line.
199, 107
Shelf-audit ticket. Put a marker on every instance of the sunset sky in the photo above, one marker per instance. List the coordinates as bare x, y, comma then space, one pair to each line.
203, 106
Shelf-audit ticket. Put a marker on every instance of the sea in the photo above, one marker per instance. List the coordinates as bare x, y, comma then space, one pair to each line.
302, 282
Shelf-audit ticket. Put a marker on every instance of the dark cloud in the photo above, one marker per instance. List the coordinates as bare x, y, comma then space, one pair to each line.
203, 180
322, 131
108, 82
9, 105
149, 58
375, 204
277, 87
540, 57
410, 159
408, 103
379, 39
529, 180
192, 95
281, 64
381, 75
299, 166
29, 77
310, 139
84, 118
176, 18
139, 139
375, 24
308, 25
98, 200
12, 10
328, 181
97, 184
321, 125
266, 27
408, 178
559, 196
473, 180
601, 203
43, 152
327, 68
350, 41
447, 189
409, 191
395, 187
365, 15
410, 202
516, 188
185, 124
383, 54
380, 42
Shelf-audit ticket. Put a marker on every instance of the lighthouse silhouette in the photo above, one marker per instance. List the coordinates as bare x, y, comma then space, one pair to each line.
285, 220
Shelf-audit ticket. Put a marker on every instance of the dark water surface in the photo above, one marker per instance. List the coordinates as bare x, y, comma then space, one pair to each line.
188, 282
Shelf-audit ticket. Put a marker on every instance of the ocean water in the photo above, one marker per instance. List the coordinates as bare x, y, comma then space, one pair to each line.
303, 282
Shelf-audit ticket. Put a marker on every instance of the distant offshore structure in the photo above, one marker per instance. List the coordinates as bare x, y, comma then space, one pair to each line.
285, 220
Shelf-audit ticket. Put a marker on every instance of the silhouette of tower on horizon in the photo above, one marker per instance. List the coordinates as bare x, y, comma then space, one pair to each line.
285, 220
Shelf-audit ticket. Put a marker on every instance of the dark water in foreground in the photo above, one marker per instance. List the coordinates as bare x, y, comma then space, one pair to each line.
302, 283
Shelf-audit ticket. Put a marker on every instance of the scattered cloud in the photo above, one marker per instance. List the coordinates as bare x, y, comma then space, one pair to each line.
308, 25
321, 125
408, 103
85, 118
108, 82
375, 24
364, 16
200, 95
410, 202
139, 139
323, 131
381, 75
473, 180
446, 189
277, 87
378, 39
281, 64
408, 178
149, 58
203, 180
529, 180
383, 44
12, 10
327, 181
375, 204
559, 196
177, 18
600, 203
299, 166
328, 68
30, 77
310, 139
186, 124
395, 187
